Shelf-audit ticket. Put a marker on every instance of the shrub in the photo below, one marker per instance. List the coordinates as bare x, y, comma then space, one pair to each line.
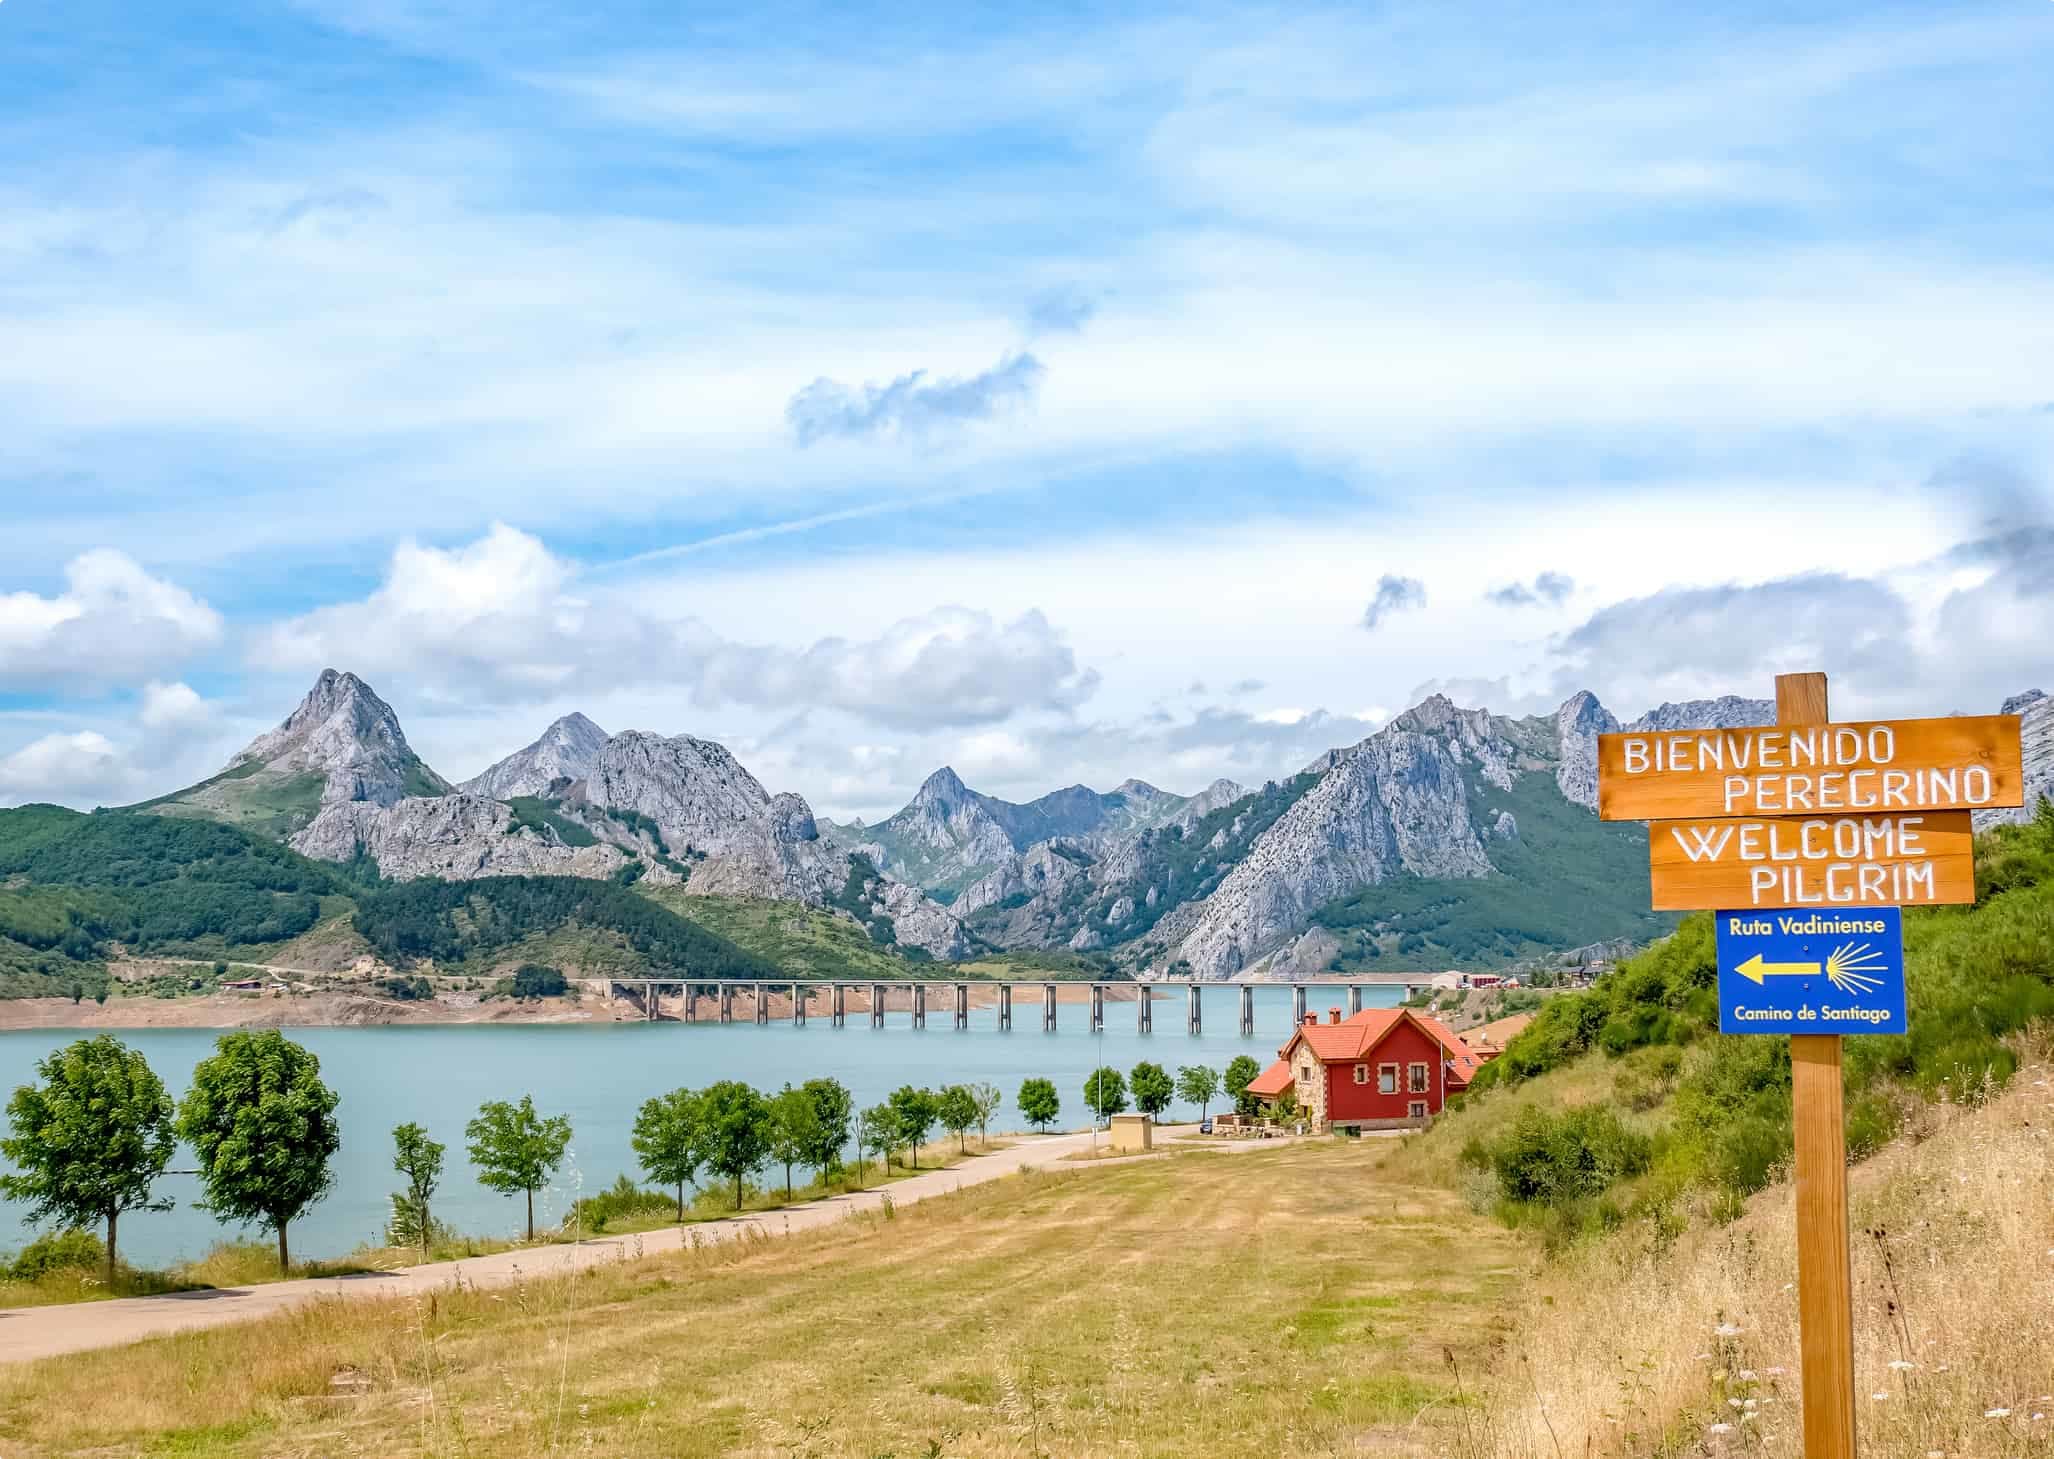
1558, 1159
58, 1251
622, 1199
532, 980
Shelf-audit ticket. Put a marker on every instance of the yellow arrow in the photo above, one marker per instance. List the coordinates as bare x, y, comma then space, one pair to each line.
1754, 969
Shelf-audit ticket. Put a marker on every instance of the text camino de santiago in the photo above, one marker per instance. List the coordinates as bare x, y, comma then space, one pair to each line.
1814, 925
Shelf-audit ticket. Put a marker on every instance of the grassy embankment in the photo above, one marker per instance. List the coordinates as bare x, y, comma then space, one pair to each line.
617, 1210
1279, 1301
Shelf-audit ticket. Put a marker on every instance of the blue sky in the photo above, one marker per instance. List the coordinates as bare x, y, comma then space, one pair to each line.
1049, 392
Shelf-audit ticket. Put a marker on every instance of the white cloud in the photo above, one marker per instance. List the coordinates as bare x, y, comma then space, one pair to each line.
172, 708
113, 623
504, 618
61, 767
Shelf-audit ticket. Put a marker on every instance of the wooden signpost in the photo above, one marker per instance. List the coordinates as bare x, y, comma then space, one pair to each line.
1786, 832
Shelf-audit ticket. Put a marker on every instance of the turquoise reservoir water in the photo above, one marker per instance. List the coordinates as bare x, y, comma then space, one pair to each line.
599, 1074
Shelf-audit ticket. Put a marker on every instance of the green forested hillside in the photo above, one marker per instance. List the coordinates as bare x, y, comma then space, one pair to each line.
73, 886
1565, 880
475, 921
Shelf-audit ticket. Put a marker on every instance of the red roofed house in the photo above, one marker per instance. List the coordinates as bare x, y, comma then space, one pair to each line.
1383, 1069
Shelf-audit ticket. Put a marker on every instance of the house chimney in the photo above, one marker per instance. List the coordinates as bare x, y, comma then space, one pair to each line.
1311, 1019
1333, 1015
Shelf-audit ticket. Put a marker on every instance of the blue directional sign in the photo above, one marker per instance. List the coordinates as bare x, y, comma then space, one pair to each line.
1811, 970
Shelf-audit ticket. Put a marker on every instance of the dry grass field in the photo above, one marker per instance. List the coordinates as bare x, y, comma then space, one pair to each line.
1633, 1346
1287, 1302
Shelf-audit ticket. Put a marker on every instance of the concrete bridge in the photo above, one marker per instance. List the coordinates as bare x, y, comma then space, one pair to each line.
650, 990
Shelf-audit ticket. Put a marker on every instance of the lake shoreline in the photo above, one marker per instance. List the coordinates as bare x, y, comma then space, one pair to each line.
350, 1008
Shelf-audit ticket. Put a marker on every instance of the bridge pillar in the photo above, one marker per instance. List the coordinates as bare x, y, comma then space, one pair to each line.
1048, 1007
1194, 1020
727, 1002
1144, 1011
877, 1005
1098, 1008
1005, 1007
962, 1006
919, 1005
1354, 999
688, 1002
838, 1006
1247, 1011
799, 996
1297, 1004
762, 1006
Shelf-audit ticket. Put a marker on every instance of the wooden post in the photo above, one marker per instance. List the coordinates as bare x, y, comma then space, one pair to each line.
1825, 1295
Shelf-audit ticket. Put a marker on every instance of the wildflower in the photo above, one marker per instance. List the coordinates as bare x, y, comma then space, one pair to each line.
1879, 1397
1746, 1375
1899, 1365
1720, 1429
1776, 1372
1726, 1329
1749, 1404
1733, 1403
1996, 1413
1704, 1357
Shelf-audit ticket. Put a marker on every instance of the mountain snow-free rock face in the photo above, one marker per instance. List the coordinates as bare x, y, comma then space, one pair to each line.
346, 733
1729, 711
949, 835
457, 837
567, 751
2035, 711
1395, 804
1578, 723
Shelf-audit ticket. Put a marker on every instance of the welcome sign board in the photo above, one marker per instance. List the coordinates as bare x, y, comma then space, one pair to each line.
1925, 859
1968, 762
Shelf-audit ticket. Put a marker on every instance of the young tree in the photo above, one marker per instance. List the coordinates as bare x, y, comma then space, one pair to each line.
90, 1139
668, 1140
877, 1131
915, 1111
987, 1099
794, 1130
263, 1125
1153, 1088
419, 1159
1198, 1084
736, 1124
517, 1150
1105, 1093
1039, 1102
833, 1112
1240, 1070
957, 1111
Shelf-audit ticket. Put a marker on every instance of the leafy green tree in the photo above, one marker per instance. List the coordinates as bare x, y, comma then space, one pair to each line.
419, 1159
833, 1112
735, 1124
877, 1130
1198, 1084
533, 980
915, 1111
1153, 1088
517, 1150
668, 1140
263, 1125
1241, 1070
987, 1098
794, 1130
89, 1140
1039, 1103
957, 1110
1105, 1093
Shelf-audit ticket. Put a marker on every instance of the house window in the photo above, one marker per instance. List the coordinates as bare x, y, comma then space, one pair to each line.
1362, 1073
1387, 1079
1416, 1109
1419, 1078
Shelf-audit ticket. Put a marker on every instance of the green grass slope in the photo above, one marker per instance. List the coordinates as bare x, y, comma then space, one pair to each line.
802, 941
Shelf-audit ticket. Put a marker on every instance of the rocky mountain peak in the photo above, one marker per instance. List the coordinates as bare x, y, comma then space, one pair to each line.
1578, 723
943, 788
1134, 789
2020, 703
1728, 711
566, 751
345, 733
